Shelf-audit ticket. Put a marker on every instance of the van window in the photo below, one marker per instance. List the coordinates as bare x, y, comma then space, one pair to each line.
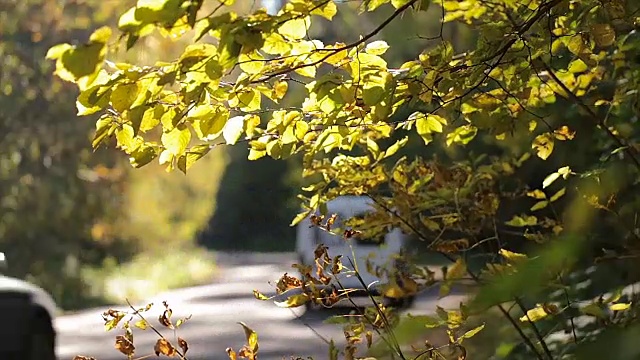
336, 238
329, 239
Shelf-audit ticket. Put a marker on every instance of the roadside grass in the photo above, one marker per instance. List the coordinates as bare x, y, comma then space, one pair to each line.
151, 273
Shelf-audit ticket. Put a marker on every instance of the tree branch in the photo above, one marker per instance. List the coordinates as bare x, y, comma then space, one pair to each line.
629, 150
332, 52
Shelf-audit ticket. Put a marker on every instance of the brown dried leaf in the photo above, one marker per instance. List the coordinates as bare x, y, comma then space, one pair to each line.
349, 233
165, 318
337, 266
183, 345
320, 252
316, 220
78, 357
232, 354
165, 348
124, 345
331, 221
287, 282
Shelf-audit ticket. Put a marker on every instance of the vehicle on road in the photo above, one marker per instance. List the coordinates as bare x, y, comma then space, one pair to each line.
378, 252
27, 331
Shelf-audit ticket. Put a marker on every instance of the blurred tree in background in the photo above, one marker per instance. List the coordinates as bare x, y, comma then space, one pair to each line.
517, 141
55, 195
70, 216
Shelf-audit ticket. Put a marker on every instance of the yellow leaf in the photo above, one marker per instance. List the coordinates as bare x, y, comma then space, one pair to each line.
543, 144
141, 324
251, 63
577, 66
123, 96
535, 314
233, 129
427, 124
564, 133
252, 337
280, 89
295, 29
258, 295
327, 11
537, 194
512, 257
457, 270
619, 306
293, 301
125, 138
176, 140
377, 47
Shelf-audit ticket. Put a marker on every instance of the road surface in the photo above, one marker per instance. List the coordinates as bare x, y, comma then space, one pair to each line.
216, 310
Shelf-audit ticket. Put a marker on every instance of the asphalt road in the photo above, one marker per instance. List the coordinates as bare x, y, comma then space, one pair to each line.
216, 310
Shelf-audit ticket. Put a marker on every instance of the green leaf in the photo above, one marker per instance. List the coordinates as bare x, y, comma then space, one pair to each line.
471, 333
427, 124
176, 140
79, 63
209, 121
558, 195
462, 135
195, 153
522, 221
124, 95
143, 155
595, 310
233, 129
604, 35
376, 87
125, 138
104, 127
539, 205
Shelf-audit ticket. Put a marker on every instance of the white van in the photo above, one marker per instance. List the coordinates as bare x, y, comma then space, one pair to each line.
379, 254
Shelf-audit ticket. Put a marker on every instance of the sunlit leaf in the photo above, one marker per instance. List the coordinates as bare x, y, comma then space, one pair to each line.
294, 301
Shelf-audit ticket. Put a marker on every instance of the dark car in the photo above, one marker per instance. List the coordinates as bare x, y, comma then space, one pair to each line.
26, 327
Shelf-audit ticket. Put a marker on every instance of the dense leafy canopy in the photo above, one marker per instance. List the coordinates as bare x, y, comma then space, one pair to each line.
547, 82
